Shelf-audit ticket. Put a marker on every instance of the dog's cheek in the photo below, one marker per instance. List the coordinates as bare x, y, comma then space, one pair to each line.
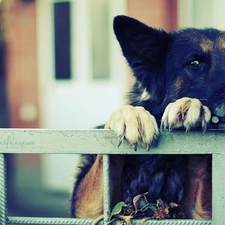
185, 87
179, 84
178, 89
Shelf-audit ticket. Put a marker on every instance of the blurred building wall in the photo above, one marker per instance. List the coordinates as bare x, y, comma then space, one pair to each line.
22, 85
22, 64
160, 14
201, 14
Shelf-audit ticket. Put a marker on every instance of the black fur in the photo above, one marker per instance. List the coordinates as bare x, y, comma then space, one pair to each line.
166, 172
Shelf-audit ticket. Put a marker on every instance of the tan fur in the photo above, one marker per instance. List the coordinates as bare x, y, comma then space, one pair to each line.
145, 95
206, 45
197, 202
221, 43
90, 192
89, 203
179, 84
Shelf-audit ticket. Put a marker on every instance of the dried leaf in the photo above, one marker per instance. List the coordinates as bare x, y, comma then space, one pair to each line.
140, 201
127, 210
142, 209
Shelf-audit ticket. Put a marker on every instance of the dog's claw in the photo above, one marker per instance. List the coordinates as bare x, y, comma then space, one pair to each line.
120, 139
171, 127
163, 126
135, 145
148, 147
188, 128
204, 126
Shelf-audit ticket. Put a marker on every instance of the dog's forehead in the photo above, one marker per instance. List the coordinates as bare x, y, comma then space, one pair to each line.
209, 43
221, 42
207, 39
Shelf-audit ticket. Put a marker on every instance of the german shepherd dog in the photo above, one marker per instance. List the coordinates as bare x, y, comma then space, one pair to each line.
180, 83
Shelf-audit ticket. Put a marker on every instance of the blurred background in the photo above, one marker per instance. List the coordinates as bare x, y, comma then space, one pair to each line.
61, 68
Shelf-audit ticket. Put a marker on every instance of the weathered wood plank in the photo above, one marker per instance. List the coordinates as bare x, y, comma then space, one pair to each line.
218, 181
105, 142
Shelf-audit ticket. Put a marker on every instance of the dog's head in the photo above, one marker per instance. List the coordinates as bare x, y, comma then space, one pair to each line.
169, 66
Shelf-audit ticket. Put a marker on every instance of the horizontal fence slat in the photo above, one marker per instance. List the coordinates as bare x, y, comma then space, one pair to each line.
48, 221
67, 221
173, 222
105, 142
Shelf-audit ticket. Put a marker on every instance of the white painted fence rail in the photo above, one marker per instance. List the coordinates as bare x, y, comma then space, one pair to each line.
21, 141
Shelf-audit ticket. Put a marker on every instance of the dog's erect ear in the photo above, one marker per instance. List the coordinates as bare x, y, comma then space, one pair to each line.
142, 46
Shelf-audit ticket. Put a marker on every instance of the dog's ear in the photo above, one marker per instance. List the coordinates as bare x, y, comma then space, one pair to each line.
144, 47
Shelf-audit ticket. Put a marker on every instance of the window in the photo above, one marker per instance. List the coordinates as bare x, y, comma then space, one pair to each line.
62, 40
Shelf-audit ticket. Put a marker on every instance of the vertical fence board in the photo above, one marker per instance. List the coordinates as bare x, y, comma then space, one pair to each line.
218, 181
106, 174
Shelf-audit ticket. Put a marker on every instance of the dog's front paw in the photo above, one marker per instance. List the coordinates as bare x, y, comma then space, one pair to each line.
185, 112
134, 124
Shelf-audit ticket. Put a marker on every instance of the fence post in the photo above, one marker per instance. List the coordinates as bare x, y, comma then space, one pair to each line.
3, 204
106, 177
218, 181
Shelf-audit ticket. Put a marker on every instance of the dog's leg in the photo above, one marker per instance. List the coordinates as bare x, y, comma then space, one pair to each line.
197, 203
89, 196
133, 124
189, 112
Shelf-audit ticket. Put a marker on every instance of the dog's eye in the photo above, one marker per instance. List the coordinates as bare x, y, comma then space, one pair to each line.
194, 63
137, 64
